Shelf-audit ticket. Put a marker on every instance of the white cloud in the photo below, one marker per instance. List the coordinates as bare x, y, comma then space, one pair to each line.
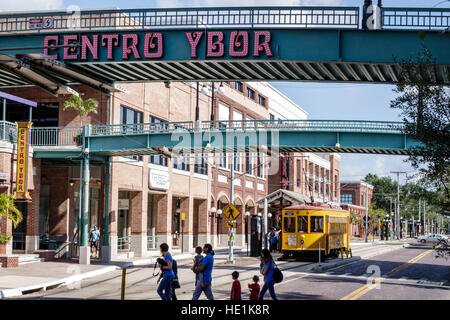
27, 5
355, 167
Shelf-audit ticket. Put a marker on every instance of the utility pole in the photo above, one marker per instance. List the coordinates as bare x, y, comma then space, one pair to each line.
231, 233
367, 208
397, 220
420, 221
424, 219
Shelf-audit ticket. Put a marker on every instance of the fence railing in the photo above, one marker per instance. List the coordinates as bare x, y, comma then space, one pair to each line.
306, 125
140, 128
56, 136
124, 244
303, 17
151, 242
416, 18
8, 131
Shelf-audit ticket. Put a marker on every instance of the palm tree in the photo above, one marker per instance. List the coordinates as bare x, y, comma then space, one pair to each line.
8, 209
81, 107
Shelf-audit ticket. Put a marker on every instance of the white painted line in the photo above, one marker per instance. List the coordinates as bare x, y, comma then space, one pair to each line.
366, 275
403, 278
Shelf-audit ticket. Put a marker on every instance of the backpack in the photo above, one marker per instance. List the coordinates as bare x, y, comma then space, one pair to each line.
277, 274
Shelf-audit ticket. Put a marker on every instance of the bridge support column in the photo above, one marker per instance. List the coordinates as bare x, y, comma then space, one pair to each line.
85, 253
138, 239
106, 248
164, 219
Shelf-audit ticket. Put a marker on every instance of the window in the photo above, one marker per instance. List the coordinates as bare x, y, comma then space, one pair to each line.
302, 224
251, 93
248, 163
260, 167
130, 117
347, 198
289, 224
272, 117
237, 161
200, 165
159, 124
181, 162
222, 160
316, 224
262, 100
238, 86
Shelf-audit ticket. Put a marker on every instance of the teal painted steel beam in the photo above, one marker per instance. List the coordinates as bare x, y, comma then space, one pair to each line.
85, 218
287, 44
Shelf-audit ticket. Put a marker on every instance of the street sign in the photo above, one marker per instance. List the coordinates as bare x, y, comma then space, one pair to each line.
231, 212
183, 216
231, 225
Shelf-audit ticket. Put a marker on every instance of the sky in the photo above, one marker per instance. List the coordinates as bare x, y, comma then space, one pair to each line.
321, 101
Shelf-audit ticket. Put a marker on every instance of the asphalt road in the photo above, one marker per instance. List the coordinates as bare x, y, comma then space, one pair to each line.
407, 273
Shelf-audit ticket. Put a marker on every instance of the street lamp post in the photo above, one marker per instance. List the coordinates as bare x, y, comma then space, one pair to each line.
247, 215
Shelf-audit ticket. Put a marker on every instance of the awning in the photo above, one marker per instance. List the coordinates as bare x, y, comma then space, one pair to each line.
282, 198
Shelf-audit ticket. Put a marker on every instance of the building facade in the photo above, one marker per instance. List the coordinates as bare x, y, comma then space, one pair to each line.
354, 196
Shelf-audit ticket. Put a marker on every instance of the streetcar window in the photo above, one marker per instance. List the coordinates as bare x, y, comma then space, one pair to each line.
289, 224
316, 224
302, 224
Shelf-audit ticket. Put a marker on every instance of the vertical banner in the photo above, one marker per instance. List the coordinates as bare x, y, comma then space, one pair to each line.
23, 133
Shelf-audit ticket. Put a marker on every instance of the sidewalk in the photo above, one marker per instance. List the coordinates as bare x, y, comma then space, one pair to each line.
38, 276
48, 275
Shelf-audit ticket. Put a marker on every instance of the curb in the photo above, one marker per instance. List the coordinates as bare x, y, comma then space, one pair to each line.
8, 293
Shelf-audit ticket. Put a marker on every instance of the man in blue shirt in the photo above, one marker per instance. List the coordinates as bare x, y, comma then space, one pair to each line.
95, 241
168, 274
206, 266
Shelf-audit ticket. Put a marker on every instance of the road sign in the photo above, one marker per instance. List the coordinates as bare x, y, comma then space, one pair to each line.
183, 216
231, 212
231, 225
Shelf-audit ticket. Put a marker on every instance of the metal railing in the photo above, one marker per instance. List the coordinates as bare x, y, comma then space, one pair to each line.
303, 17
123, 244
56, 136
151, 242
306, 125
416, 18
139, 128
8, 131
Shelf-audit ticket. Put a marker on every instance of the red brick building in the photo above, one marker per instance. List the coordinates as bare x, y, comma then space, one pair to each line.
353, 199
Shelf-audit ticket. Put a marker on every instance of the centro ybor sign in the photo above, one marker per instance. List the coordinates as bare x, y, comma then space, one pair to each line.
154, 45
22, 161
159, 179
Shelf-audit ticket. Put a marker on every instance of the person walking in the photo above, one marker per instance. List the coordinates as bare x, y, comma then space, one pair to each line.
168, 274
235, 293
94, 238
267, 266
273, 240
254, 288
206, 266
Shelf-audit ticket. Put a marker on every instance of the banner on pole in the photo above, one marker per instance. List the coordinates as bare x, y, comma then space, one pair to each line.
23, 132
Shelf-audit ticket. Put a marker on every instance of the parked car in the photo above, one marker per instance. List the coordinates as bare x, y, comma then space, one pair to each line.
433, 238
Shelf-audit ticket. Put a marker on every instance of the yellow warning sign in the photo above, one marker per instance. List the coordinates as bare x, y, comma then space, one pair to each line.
231, 212
231, 225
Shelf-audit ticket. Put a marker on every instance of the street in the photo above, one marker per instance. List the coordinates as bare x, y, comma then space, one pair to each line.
404, 273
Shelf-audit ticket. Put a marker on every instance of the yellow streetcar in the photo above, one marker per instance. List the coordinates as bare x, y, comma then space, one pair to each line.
306, 226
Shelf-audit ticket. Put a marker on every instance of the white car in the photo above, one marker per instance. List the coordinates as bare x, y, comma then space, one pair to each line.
433, 238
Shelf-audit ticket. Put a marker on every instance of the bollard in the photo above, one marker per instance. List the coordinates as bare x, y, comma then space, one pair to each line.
346, 253
122, 291
351, 254
342, 253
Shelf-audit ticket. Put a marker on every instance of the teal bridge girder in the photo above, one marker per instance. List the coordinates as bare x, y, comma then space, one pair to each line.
342, 136
323, 44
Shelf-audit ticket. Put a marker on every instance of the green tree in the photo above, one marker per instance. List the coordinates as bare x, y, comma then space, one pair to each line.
425, 108
9, 210
81, 107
